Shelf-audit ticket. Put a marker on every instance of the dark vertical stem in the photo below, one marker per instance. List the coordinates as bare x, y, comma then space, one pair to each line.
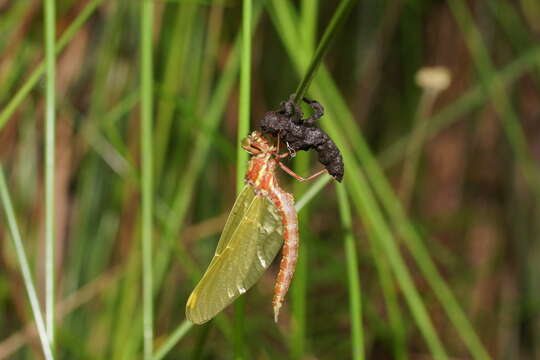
339, 16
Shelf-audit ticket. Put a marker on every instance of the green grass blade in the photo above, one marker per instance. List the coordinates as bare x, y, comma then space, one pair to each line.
244, 98
25, 267
50, 125
388, 288
312, 191
147, 14
241, 154
173, 79
308, 22
416, 142
173, 339
299, 285
355, 300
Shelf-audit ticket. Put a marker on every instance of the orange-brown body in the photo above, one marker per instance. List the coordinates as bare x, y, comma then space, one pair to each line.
261, 176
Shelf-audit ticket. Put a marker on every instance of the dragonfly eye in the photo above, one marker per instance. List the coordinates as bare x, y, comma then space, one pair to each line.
250, 146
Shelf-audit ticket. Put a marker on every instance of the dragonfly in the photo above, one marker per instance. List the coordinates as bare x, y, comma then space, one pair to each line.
262, 220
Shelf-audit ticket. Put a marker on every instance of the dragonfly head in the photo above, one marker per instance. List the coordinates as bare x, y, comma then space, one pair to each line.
255, 144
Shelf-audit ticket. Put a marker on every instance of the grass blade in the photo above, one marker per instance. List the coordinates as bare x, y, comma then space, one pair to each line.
173, 339
173, 80
299, 285
25, 267
310, 193
50, 24
355, 302
241, 155
245, 98
147, 13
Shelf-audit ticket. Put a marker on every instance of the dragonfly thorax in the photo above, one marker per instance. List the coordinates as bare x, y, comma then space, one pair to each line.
261, 171
262, 164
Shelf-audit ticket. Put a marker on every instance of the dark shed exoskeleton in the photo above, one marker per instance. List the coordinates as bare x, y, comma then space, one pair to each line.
302, 134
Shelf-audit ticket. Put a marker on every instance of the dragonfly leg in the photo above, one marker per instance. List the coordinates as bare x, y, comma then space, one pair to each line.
278, 141
298, 177
284, 155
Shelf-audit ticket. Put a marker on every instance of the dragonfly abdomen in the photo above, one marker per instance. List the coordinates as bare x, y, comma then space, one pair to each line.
261, 177
284, 202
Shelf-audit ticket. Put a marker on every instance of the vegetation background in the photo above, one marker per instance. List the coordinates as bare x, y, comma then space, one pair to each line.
429, 249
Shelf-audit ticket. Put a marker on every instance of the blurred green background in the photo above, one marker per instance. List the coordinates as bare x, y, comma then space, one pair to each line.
438, 214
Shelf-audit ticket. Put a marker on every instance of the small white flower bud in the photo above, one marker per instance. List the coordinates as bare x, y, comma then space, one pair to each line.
436, 78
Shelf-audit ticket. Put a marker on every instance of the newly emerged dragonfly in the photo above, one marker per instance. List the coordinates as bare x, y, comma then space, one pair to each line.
262, 219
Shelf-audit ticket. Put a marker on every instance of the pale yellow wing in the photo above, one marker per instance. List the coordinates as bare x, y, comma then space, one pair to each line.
249, 243
241, 204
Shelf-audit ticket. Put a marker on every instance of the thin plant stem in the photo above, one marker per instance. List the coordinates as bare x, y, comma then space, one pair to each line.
389, 291
298, 292
244, 98
298, 295
173, 80
173, 339
147, 13
202, 340
355, 299
416, 140
241, 155
25, 267
312, 192
338, 17
49, 166
299, 286
208, 67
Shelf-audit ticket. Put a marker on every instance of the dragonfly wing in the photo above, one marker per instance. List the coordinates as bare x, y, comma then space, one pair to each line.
241, 204
246, 249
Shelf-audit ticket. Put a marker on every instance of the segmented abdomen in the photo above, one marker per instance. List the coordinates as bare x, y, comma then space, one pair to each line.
284, 202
